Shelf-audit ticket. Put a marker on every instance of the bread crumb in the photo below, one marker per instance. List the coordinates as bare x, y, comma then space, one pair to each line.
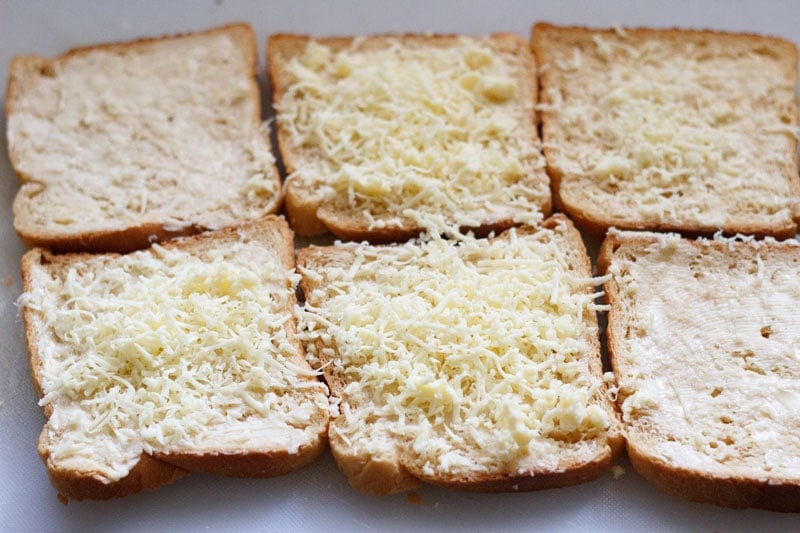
414, 498
617, 471
515, 487
8, 281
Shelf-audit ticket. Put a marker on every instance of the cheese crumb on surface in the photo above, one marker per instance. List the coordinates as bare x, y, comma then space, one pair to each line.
469, 354
411, 126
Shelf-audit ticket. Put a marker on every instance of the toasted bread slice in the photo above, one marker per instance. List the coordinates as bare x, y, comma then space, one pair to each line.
676, 130
383, 135
119, 145
172, 359
703, 338
469, 363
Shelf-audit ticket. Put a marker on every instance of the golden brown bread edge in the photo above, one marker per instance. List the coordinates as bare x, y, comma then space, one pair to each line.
308, 215
387, 477
597, 224
137, 236
160, 469
673, 479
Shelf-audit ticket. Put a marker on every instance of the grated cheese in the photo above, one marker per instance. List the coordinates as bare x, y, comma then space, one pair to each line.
470, 353
407, 128
167, 352
649, 127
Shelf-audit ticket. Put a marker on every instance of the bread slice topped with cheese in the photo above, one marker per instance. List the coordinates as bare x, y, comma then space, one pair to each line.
676, 130
183, 357
385, 135
467, 363
120, 145
703, 337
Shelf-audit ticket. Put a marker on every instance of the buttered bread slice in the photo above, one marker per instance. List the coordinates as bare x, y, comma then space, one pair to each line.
678, 130
383, 136
468, 363
119, 145
704, 340
182, 357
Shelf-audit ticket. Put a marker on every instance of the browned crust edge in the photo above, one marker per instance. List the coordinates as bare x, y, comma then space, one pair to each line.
248, 465
148, 474
727, 492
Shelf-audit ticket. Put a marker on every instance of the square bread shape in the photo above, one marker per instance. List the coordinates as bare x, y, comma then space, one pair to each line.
383, 136
703, 337
670, 130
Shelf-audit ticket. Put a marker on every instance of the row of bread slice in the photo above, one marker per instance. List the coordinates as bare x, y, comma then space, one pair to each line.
471, 363
465, 362
121, 145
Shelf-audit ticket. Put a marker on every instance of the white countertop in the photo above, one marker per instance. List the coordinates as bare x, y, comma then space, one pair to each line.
318, 497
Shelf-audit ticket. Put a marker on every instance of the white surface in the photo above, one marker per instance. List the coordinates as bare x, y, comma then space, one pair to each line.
318, 497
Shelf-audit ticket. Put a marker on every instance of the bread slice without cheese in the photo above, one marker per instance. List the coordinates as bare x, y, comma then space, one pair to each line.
467, 363
385, 135
676, 130
182, 357
119, 145
703, 337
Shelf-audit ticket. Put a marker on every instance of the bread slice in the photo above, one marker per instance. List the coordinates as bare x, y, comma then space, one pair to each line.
703, 338
182, 357
676, 130
119, 145
467, 363
385, 135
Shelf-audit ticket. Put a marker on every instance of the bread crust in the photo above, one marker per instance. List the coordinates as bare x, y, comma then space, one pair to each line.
545, 37
152, 471
148, 474
399, 472
123, 237
308, 212
690, 483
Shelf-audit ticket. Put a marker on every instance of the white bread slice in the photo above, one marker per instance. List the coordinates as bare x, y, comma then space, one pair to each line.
182, 357
670, 130
119, 145
703, 337
467, 363
382, 134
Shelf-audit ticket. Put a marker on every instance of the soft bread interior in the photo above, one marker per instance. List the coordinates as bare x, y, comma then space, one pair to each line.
119, 136
704, 344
